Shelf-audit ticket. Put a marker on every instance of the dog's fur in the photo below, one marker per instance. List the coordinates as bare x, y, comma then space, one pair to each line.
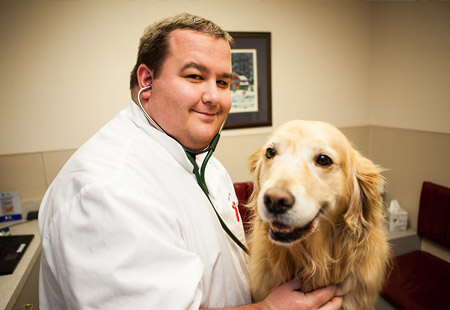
339, 204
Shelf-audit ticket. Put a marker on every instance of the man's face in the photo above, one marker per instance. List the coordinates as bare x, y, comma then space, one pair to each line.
190, 98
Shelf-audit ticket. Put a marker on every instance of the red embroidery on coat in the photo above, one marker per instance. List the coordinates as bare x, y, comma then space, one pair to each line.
236, 210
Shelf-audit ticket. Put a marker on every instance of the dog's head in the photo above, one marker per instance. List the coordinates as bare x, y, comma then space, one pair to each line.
308, 174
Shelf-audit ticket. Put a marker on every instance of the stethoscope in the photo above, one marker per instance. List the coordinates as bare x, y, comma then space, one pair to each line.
199, 173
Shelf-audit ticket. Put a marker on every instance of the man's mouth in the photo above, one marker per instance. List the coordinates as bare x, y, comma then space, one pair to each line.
206, 113
206, 116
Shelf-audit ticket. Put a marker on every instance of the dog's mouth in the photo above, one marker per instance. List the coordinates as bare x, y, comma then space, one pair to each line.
280, 232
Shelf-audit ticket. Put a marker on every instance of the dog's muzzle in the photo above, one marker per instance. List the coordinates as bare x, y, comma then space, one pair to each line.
278, 201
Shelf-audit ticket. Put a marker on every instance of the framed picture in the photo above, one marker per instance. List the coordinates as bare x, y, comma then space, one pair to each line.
250, 88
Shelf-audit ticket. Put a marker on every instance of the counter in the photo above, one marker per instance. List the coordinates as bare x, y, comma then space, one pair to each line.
11, 286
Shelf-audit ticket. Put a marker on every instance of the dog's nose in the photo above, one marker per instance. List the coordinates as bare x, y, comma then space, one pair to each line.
278, 200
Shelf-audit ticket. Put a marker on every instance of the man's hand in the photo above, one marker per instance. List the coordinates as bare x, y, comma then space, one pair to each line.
287, 296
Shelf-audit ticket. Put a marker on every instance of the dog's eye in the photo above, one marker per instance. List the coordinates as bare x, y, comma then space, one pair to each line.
270, 152
324, 160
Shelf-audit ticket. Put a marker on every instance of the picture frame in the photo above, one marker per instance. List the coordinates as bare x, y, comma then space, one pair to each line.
251, 85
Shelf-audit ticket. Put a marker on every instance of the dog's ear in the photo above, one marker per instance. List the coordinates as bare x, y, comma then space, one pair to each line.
365, 186
254, 164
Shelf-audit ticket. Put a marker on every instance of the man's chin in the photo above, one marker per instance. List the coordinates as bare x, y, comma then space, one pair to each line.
199, 144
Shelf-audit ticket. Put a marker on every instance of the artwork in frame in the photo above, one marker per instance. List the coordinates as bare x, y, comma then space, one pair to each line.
250, 85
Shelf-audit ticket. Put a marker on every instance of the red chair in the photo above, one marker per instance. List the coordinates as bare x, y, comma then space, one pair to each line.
420, 280
243, 192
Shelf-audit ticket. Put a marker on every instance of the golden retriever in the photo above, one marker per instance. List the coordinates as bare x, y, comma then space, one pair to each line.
318, 215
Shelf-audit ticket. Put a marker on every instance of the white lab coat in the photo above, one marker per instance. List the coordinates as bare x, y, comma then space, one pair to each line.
125, 226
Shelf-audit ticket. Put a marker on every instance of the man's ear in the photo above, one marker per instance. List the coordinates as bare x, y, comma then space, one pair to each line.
145, 78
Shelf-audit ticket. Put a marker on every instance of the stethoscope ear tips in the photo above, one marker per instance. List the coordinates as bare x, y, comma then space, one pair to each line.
145, 112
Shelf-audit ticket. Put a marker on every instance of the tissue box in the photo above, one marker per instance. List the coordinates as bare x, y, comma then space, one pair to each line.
398, 217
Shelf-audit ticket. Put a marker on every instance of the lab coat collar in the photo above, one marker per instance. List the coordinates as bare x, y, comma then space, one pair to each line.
175, 148
170, 144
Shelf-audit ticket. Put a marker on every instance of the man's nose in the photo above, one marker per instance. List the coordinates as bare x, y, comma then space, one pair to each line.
211, 93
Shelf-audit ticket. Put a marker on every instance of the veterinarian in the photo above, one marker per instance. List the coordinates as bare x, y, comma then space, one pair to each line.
127, 224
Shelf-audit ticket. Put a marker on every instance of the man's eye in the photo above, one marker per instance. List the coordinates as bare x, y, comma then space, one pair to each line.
324, 160
270, 152
223, 84
195, 77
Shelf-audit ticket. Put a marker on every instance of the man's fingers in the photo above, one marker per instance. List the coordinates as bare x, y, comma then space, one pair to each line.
334, 304
322, 295
293, 285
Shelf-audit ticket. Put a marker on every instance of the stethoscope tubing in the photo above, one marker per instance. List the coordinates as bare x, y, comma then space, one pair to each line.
200, 176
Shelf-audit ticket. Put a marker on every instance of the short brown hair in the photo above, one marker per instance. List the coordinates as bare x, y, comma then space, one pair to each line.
154, 44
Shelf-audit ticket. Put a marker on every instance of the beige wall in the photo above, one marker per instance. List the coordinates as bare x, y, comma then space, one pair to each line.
378, 70
410, 84
65, 64
410, 157
31, 173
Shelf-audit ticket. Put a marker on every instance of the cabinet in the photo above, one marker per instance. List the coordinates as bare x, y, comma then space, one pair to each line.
29, 296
